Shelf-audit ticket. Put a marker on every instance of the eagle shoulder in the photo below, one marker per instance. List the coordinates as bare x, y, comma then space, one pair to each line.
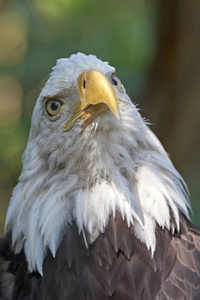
183, 279
15, 280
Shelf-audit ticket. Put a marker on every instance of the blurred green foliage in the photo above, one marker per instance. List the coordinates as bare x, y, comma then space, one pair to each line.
35, 33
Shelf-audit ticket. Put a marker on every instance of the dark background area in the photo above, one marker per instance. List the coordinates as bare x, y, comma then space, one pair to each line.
154, 45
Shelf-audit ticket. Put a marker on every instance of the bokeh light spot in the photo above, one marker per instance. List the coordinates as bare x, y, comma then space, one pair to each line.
13, 41
10, 100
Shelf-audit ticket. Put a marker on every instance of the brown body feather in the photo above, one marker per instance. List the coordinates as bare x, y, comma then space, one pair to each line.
116, 266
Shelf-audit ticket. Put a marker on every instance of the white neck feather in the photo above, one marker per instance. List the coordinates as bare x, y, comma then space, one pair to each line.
89, 178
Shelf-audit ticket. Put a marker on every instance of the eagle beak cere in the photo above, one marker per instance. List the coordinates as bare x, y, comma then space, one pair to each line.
97, 95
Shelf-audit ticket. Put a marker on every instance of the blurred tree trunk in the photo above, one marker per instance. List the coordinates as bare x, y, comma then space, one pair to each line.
172, 94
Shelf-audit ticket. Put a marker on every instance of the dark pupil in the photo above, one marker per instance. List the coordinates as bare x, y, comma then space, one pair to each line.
54, 105
114, 81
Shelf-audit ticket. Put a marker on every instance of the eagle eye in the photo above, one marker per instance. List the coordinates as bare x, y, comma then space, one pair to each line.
116, 81
53, 107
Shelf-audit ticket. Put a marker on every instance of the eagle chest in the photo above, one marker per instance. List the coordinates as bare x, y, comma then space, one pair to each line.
116, 265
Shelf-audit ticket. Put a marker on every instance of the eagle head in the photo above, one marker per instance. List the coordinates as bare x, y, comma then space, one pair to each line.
89, 155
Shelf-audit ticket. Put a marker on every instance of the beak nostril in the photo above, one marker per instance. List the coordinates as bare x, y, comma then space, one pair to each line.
84, 84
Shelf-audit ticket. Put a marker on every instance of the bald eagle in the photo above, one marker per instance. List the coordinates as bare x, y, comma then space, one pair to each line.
99, 211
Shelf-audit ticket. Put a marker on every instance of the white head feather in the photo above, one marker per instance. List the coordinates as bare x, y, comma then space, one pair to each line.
85, 176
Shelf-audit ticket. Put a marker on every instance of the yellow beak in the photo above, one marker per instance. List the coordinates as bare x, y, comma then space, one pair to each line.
97, 95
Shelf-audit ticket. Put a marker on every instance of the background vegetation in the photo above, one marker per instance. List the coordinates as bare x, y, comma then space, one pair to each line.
155, 46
